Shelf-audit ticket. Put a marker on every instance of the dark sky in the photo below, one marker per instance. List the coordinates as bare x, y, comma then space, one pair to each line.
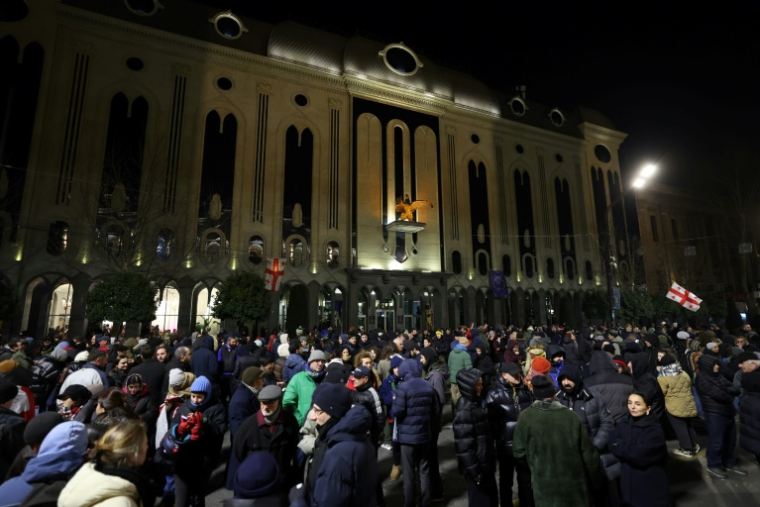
682, 83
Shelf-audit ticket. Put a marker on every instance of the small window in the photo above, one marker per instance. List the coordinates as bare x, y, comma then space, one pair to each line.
482, 263
475, 139
556, 117
295, 253
550, 268
602, 153
653, 223
224, 83
674, 225
165, 244
506, 265
400, 59
589, 271
114, 240
333, 255
569, 268
519, 148
517, 105
456, 262
58, 237
558, 158
134, 63
301, 100
256, 250
228, 25
529, 266
143, 7
213, 250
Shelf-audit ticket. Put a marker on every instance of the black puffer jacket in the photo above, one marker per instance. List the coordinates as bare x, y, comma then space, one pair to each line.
472, 434
613, 386
367, 396
45, 375
646, 383
749, 411
589, 405
505, 402
715, 392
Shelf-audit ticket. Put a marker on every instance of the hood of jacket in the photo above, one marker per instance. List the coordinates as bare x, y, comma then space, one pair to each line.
90, 487
640, 364
572, 372
552, 350
601, 361
466, 380
294, 360
208, 343
410, 368
705, 364
60, 454
352, 428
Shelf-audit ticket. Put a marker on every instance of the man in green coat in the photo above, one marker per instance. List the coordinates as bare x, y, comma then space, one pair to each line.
562, 460
459, 359
297, 398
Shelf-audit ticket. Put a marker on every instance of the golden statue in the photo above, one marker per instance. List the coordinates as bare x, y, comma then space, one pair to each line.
407, 208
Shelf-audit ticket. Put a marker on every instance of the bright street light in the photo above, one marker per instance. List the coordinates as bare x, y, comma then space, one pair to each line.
648, 171
639, 182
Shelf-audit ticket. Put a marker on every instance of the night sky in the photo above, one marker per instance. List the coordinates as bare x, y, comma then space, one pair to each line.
682, 84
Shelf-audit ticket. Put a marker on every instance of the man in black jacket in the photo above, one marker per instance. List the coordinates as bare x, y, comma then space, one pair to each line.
613, 386
12, 427
717, 397
152, 373
508, 398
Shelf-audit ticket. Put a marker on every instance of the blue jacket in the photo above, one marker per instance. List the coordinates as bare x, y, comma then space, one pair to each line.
414, 405
347, 476
293, 364
387, 393
59, 458
204, 363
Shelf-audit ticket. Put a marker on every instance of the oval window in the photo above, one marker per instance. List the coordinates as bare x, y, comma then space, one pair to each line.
400, 59
556, 117
517, 106
228, 25
602, 153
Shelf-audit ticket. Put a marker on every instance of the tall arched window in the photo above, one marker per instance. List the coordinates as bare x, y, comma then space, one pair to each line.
60, 307
550, 268
58, 238
333, 255
456, 262
295, 252
483, 263
506, 265
203, 302
114, 240
589, 271
167, 313
528, 262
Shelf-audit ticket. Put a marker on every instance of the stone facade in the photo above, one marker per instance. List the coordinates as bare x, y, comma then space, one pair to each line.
186, 148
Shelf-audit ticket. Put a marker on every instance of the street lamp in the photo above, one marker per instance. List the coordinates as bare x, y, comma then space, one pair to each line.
641, 180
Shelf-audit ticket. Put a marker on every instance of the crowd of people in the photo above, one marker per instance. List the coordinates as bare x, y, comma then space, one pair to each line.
575, 417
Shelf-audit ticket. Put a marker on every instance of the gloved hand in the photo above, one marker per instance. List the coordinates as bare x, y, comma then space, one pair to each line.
185, 425
195, 431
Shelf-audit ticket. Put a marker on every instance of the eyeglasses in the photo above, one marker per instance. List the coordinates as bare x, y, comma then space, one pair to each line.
317, 411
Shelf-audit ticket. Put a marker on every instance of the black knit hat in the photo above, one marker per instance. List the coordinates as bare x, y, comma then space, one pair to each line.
543, 388
509, 368
429, 354
40, 426
257, 476
335, 399
8, 391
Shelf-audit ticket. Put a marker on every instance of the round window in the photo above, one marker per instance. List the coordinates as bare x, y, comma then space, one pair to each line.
400, 59
602, 153
475, 138
142, 7
301, 100
228, 25
557, 118
517, 106
519, 148
134, 64
224, 83
558, 158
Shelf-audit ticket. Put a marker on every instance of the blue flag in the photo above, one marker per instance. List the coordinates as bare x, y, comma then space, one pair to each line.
498, 284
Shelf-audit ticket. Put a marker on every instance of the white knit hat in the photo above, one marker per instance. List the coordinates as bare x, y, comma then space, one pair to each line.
176, 377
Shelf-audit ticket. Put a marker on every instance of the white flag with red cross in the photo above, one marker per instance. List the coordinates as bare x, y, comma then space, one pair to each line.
683, 297
275, 272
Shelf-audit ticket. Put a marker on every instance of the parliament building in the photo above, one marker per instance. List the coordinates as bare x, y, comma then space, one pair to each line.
185, 143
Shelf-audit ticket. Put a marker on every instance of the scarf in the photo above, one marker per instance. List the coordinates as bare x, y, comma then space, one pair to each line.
271, 419
317, 376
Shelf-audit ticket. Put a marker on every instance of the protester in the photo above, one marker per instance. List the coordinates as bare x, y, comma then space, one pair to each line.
297, 399
639, 443
12, 427
679, 404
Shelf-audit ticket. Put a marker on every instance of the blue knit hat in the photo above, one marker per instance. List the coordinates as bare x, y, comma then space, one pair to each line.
335, 399
201, 385
396, 362
257, 476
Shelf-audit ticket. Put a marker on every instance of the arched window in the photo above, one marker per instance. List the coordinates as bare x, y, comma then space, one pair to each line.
114, 240
550, 268
167, 313
60, 307
203, 302
212, 250
483, 263
506, 265
333, 255
528, 266
58, 238
569, 268
589, 271
295, 252
165, 244
256, 249
456, 262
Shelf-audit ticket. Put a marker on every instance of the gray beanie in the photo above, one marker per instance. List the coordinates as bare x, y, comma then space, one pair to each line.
176, 377
317, 355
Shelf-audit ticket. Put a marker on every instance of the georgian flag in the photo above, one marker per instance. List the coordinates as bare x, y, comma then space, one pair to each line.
275, 272
683, 297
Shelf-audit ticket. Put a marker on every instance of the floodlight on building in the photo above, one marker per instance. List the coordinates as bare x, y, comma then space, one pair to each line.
639, 182
648, 171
